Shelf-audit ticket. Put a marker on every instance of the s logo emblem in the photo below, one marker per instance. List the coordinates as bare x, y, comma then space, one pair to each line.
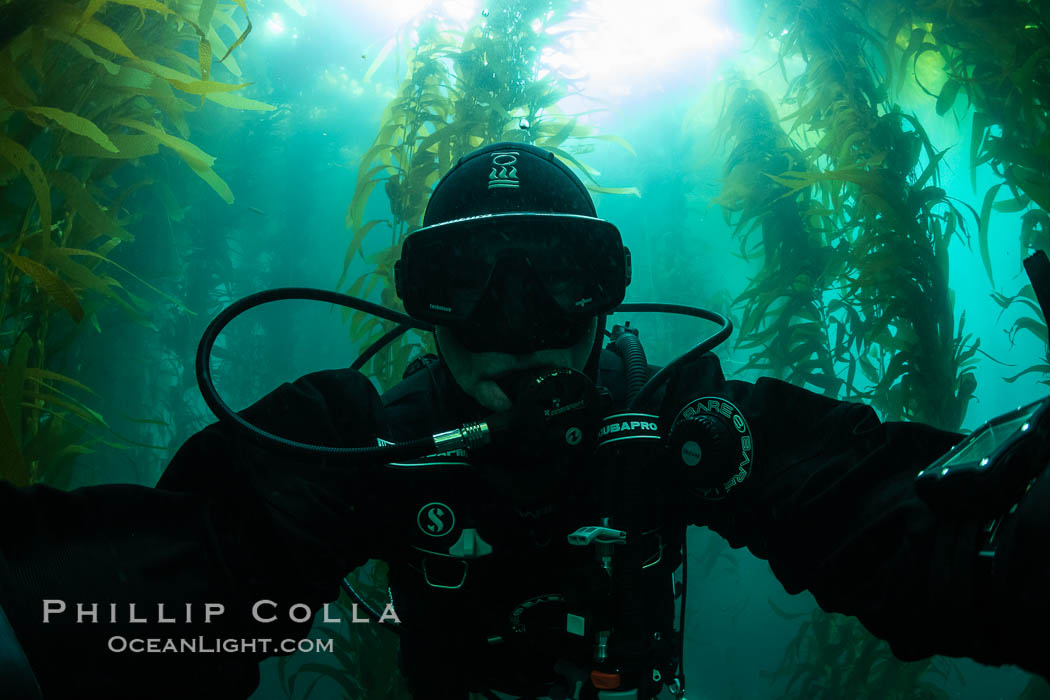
436, 519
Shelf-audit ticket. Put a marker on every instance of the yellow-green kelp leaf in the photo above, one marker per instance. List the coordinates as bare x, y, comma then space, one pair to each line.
146, 5
40, 374
186, 150
982, 230
81, 48
224, 18
129, 147
13, 87
101, 255
74, 123
69, 20
237, 102
240, 40
50, 283
175, 58
16, 154
218, 46
95, 5
214, 181
204, 87
205, 12
74, 407
364, 188
572, 161
355, 245
174, 77
615, 190
204, 56
80, 200
92, 8
86, 278
612, 138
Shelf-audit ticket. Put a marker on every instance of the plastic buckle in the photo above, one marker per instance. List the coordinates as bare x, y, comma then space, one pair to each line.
434, 584
604, 535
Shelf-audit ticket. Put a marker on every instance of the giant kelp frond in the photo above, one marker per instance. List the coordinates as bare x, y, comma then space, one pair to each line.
874, 168
88, 89
863, 199
783, 313
996, 56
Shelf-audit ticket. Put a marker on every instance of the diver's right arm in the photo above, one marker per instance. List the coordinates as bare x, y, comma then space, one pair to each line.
228, 524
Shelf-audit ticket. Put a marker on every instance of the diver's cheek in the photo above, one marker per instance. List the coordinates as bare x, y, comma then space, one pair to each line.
489, 395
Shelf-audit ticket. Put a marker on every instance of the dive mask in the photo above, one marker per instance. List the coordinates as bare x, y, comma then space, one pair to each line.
514, 282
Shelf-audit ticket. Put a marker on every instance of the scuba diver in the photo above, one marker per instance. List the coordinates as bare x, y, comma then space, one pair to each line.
530, 487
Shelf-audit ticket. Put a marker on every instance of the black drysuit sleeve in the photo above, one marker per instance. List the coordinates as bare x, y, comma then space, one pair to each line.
228, 523
831, 505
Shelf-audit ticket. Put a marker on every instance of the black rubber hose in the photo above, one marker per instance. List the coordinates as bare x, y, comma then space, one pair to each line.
634, 361
706, 345
407, 450
363, 455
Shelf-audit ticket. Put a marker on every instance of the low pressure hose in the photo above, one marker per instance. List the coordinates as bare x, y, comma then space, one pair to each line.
469, 436
637, 368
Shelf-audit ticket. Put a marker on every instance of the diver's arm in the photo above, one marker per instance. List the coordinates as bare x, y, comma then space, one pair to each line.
831, 504
229, 524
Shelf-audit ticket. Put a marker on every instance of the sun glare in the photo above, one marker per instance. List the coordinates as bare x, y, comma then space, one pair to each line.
626, 42
622, 47
394, 13
275, 25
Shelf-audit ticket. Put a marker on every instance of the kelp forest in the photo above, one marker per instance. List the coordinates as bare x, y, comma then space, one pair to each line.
834, 185
868, 169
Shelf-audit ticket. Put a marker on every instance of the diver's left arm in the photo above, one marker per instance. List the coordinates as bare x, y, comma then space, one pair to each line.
831, 503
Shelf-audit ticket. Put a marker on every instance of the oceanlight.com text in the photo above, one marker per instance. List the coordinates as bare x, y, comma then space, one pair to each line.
213, 645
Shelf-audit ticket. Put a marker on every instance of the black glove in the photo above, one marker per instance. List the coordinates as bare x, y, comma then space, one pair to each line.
311, 512
1016, 592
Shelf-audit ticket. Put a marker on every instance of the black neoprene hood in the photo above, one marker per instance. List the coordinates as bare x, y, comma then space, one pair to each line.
504, 178
508, 178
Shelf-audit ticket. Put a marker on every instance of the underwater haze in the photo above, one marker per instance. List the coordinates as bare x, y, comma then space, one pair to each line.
706, 131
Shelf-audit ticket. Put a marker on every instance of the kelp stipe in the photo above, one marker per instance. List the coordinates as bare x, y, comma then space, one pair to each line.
89, 91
